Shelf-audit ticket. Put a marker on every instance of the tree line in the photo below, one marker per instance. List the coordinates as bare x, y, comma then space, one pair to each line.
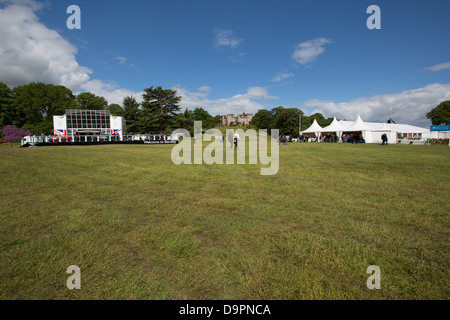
287, 120
32, 107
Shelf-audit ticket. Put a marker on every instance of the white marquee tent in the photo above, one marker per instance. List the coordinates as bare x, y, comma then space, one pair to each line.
334, 127
372, 131
314, 128
359, 126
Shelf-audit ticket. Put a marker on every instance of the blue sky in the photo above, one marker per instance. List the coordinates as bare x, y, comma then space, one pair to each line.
241, 56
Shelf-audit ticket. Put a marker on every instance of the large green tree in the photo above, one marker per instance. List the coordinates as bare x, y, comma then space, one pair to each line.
89, 101
217, 120
115, 110
161, 101
149, 122
202, 115
131, 113
440, 114
158, 108
37, 103
263, 119
183, 120
287, 122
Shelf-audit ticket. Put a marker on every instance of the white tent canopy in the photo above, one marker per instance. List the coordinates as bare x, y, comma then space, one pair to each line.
372, 131
314, 128
334, 127
357, 125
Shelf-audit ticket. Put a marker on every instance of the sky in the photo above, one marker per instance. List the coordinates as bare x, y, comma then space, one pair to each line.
239, 56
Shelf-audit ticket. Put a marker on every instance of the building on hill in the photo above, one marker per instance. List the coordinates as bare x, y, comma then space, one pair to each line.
243, 118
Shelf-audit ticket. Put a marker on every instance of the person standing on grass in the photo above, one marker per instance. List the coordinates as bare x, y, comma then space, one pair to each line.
384, 138
236, 139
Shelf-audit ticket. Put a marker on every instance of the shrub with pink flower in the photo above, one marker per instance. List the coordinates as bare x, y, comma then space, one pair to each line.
13, 134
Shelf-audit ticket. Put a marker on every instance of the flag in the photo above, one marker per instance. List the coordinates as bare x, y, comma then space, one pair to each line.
61, 132
115, 131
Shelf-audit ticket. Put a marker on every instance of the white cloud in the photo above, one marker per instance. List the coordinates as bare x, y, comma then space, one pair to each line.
307, 52
204, 89
121, 59
226, 38
110, 91
407, 107
282, 76
439, 67
30, 52
247, 102
34, 5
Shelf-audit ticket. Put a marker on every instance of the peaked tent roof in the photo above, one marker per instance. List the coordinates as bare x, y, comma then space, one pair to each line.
333, 127
384, 127
357, 125
315, 127
380, 126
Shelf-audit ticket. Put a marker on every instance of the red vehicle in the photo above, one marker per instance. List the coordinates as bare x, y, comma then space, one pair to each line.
63, 139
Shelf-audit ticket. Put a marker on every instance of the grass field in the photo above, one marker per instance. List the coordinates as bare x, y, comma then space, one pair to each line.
140, 227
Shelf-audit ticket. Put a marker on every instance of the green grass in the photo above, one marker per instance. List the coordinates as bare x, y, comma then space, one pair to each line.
140, 227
